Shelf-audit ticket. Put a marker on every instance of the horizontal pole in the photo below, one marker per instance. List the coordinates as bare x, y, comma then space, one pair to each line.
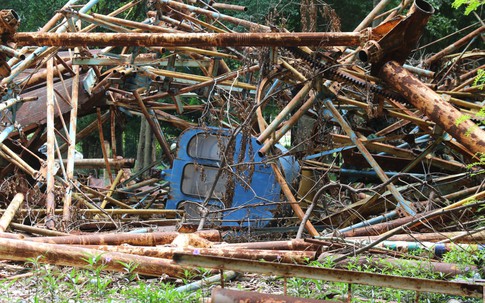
332, 275
188, 39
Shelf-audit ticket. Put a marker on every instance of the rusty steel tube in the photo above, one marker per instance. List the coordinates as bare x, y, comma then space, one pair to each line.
296, 244
11, 52
149, 239
284, 113
19, 250
99, 163
154, 126
285, 256
436, 108
454, 46
188, 39
224, 295
447, 269
10, 211
232, 7
214, 15
133, 24
333, 275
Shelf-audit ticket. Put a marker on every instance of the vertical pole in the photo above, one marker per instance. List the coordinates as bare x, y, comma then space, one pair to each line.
147, 151
66, 214
50, 199
156, 130
113, 131
103, 146
141, 143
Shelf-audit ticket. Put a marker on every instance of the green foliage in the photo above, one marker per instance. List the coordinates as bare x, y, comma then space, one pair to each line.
317, 289
478, 163
471, 5
54, 284
480, 81
96, 264
465, 258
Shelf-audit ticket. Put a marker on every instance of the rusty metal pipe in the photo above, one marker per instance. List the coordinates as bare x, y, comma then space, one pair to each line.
288, 125
11, 52
296, 244
10, 211
333, 275
149, 239
447, 269
285, 256
232, 7
214, 15
224, 295
41, 76
154, 126
19, 250
218, 79
284, 112
36, 230
133, 24
436, 108
188, 39
451, 48
99, 163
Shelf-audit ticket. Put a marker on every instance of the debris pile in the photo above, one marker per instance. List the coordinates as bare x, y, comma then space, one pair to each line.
333, 135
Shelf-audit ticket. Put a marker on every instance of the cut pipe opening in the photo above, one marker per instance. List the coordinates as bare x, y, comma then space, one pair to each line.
15, 15
363, 56
424, 6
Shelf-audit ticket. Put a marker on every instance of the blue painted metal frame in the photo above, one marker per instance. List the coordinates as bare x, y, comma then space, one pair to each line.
250, 203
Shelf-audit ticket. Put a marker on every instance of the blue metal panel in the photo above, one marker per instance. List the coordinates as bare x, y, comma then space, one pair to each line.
254, 187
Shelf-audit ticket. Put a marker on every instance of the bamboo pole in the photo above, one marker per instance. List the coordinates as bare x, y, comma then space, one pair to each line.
10, 211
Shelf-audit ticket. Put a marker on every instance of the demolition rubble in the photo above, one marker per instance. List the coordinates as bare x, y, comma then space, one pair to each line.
335, 140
